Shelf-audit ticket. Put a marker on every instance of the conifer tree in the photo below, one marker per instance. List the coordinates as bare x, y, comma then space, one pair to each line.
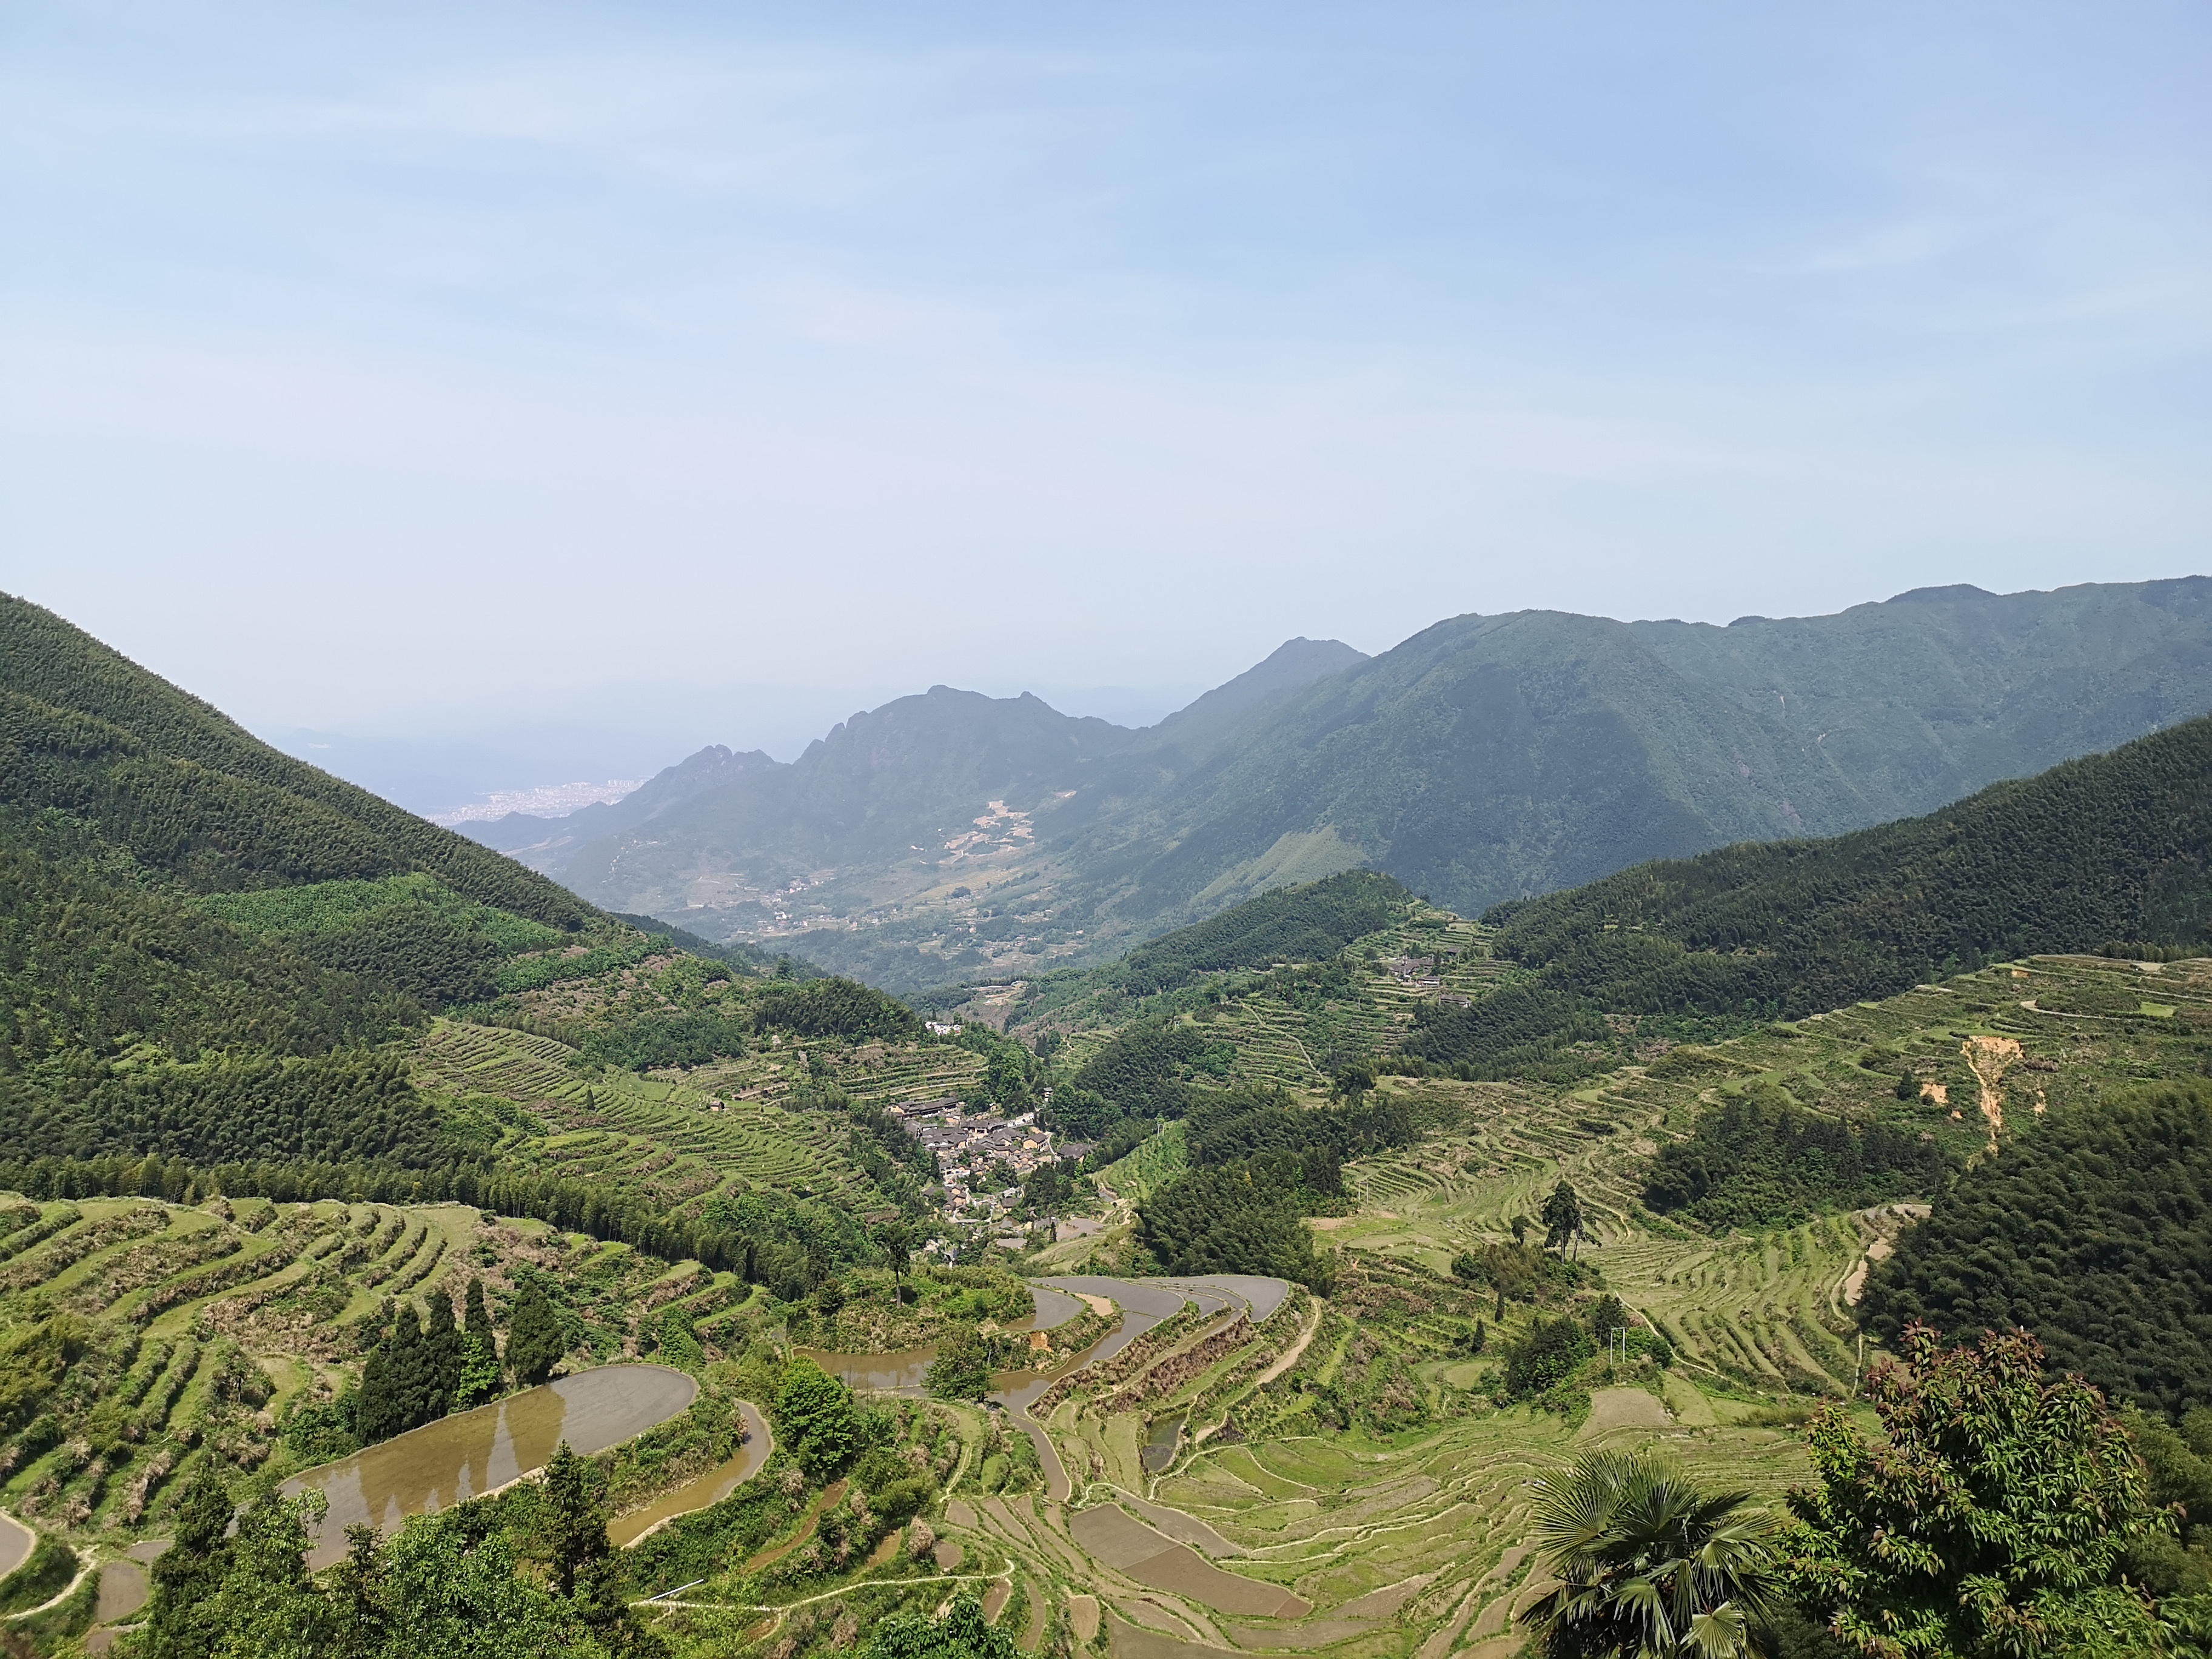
441, 1360
575, 1526
389, 1402
534, 1341
189, 1572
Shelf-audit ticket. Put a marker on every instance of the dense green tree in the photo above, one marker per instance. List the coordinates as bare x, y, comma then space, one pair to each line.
2179, 1463
1563, 1217
443, 1359
535, 1342
1552, 1351
1648, 1565
575, 1523
1994, 1519
961, 1634
481, 1374
962, 1369
397, 1381
2092, 1232
185, 1576
815, 1412
1761, 1160
266, 1605
897, 1240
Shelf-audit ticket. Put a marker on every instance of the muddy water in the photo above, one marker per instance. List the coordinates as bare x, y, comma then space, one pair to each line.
124, 1589
906, 1371
902, 1372
466, 1456
710, 1488
1160, 1443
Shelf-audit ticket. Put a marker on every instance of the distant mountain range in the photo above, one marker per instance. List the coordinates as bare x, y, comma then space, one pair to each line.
951, 836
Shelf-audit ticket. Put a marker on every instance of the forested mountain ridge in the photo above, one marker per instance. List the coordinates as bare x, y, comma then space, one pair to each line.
211, 951
1486, 758
189, 792
2113, 847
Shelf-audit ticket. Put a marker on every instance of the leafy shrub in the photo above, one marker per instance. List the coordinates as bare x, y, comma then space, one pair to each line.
1552, 1351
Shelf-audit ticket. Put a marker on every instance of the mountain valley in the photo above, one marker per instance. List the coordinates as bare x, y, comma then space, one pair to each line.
1210, 1289
951, 837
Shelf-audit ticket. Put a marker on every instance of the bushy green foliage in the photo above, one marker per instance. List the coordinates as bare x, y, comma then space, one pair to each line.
450, 1583
2091, 1230
534, 1339
1222, 1127
1761, 1160
814, 1413
340, 1108
962, 1369
1142, 1069
691, 1037
2115, 845
1309, 922
411, 932
767, 1238
412, 1376
1995, 1518
833, 1008
1552, 1351
2178, 1460
1520, 1273
961, 1634
94, 961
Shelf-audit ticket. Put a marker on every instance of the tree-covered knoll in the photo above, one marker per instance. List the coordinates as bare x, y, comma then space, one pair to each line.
1261, 1164
191, 793
1309, 922
2094, 1232
2114, 847
1762, 1160
1146, 1070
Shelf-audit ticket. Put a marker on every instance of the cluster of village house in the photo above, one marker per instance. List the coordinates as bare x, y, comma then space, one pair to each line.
968, 1144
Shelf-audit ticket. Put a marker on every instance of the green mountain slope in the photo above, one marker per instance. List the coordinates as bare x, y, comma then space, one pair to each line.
2118, 847
211, 953
2092, 1232
1486, 758
190, 793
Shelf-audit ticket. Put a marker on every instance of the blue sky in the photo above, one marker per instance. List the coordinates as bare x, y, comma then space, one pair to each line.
400, 367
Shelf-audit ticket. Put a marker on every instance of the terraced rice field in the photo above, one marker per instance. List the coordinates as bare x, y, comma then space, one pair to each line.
193, 1328
1412, 1545
683, 1141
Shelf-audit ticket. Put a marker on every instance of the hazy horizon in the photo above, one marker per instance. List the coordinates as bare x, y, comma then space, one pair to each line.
475, 367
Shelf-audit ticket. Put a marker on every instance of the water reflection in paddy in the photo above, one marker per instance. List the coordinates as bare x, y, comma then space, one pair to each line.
467, 1456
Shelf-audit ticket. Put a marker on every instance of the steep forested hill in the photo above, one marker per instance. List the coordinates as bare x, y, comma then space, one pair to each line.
2118, 847
2095, 1232
189, 792
209, 952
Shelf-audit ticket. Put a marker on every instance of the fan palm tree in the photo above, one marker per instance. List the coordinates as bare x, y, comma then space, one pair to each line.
1648, 1565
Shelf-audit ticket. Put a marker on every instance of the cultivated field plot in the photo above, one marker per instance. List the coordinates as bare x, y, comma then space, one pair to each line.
682, 1139
191, 1328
